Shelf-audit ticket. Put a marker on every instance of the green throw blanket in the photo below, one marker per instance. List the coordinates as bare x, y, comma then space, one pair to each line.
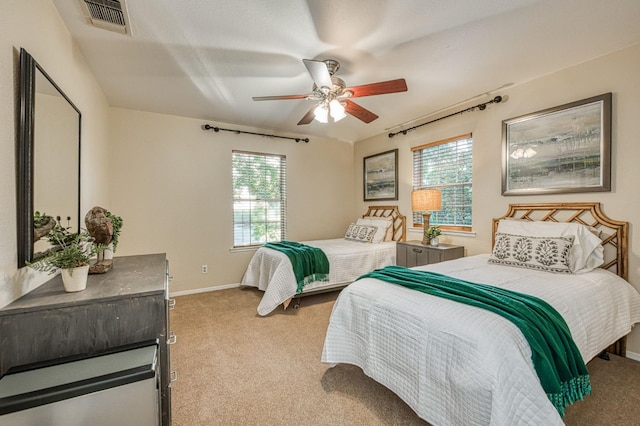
309, 263
557, 360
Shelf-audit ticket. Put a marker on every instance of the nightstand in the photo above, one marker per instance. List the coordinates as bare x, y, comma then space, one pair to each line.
414, 253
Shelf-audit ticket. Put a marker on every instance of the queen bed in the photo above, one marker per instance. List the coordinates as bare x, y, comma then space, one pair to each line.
457, 364
359, 252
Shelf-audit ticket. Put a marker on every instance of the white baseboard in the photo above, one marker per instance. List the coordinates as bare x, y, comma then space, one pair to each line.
633, 355
204, 290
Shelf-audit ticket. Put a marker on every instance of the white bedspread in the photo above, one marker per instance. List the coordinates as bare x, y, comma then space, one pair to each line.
459, 365
271, 271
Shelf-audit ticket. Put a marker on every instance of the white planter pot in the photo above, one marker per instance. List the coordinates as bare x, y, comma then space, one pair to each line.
434, 241
75, 279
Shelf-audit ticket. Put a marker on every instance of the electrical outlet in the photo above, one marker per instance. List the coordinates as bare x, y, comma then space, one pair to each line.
205, 269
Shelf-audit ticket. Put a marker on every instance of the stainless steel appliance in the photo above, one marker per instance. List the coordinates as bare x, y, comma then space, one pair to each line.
120, 387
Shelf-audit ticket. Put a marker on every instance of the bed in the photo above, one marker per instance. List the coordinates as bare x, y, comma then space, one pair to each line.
457, 364
270, 270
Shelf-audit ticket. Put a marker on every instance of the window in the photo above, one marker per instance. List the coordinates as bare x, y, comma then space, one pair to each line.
446, 165
259, 198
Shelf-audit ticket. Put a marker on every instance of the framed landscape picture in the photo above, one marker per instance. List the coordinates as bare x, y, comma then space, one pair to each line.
381, 176
559, 150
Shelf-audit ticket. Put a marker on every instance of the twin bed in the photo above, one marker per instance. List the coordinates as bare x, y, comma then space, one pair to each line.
458, 364
270, 270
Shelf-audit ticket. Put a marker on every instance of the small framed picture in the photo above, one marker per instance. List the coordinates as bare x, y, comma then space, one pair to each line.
381, 176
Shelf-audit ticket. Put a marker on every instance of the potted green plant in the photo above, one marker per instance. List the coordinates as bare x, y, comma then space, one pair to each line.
432, 233
117, 223
42, 225
70, 253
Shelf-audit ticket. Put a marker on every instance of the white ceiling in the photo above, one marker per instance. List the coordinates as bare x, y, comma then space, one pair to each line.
205, 59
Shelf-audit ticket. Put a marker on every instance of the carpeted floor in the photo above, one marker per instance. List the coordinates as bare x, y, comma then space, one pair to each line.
236, 368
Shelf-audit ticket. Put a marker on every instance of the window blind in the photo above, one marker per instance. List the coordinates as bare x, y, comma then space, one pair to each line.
259, 198
446, 165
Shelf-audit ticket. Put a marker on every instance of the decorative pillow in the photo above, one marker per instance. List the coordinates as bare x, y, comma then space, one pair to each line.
361, 233
549, 254
382, 226
587, 252
386, 222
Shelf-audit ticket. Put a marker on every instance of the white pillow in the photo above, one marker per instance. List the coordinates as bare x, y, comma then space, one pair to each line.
550, 254
382, 226
387, 221
587, 252
361, 233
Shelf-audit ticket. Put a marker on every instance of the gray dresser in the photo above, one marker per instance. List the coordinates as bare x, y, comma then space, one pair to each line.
125, 306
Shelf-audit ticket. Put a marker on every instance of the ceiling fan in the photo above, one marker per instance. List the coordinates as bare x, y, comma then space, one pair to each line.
333, 96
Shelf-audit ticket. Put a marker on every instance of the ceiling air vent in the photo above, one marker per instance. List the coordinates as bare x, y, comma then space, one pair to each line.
108, 14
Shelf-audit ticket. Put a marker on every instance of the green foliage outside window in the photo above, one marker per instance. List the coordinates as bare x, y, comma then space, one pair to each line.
447, 167
259, 198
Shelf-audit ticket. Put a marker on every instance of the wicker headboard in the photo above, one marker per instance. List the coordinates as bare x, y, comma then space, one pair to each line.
399, 221
614, 233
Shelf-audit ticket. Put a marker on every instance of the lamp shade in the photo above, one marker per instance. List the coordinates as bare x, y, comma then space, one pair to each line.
336, 109
321, 113
426, 200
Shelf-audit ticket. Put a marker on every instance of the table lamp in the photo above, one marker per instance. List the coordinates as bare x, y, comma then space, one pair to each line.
426, 200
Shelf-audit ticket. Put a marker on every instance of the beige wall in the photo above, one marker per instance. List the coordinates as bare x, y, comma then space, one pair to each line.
171, 183
36, 26
617, 73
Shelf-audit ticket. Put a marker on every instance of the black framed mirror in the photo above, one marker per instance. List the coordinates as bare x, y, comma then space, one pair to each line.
48, 156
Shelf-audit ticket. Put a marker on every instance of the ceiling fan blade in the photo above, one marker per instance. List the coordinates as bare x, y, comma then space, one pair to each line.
381, 88
279, 98
309, 116
359, 112
319, 73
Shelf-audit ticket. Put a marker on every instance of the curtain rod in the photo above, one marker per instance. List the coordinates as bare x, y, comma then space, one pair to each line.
481, 107
217, 129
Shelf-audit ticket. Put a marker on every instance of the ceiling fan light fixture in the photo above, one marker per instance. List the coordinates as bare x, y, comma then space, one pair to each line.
336, 110
321, 113
333, 96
